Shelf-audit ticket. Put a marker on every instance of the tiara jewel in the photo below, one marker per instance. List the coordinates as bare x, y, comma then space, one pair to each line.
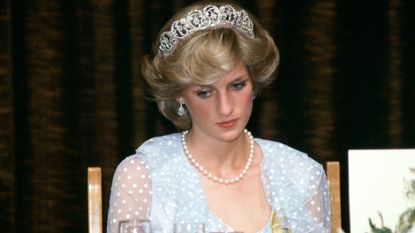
198, 20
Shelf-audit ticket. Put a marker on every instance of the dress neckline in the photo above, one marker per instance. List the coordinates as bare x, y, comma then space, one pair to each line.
204, 197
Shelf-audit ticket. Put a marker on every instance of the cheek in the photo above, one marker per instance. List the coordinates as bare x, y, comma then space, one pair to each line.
199, 110
246, 98
248, 104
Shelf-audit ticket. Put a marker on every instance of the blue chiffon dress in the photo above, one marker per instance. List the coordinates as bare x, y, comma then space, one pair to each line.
159, 184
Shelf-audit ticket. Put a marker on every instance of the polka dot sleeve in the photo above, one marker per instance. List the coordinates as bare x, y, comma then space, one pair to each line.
130, 193
318, 203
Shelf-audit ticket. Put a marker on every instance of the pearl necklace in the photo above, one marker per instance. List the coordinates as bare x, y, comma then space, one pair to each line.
214, 178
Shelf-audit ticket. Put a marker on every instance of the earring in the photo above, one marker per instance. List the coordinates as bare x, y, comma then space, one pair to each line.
181, 111
253, 95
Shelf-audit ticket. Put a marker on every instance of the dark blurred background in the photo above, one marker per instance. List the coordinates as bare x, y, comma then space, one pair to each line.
71, 92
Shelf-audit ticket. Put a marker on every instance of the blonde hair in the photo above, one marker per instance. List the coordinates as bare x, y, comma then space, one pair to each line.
203, 57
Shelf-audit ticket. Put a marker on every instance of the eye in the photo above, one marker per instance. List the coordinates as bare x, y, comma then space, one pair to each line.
238, 85
204, 93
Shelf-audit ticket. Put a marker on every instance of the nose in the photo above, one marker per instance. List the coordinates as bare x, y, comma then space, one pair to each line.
225, 104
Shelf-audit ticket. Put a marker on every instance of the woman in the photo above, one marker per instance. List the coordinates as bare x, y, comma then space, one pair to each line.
210, 62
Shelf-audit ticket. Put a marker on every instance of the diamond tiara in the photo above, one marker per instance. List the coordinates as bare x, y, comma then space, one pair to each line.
197, 20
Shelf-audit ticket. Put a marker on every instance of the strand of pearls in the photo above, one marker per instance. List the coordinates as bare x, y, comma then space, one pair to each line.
214, 178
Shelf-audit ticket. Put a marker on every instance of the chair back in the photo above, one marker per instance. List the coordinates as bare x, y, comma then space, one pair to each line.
94, 200
333, 177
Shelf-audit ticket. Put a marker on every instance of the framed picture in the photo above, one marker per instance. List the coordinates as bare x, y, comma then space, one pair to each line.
382, 191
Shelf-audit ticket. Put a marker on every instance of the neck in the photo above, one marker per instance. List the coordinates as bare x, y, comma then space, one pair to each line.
224, 165
221, 153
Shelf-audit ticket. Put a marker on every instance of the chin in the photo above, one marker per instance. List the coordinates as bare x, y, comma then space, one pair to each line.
230, 135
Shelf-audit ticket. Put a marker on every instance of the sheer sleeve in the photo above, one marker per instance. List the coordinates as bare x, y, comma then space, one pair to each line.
130, 193
318, 204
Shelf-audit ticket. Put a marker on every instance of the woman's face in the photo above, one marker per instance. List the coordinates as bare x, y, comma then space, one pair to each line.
221, 110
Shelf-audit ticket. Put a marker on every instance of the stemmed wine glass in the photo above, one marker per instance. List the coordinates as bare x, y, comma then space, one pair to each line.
189, 228
226, 232
134, 226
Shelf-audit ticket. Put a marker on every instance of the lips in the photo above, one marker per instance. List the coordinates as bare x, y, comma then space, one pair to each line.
227, 124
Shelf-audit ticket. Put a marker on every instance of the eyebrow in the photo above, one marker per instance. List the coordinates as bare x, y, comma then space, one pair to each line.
241, 77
